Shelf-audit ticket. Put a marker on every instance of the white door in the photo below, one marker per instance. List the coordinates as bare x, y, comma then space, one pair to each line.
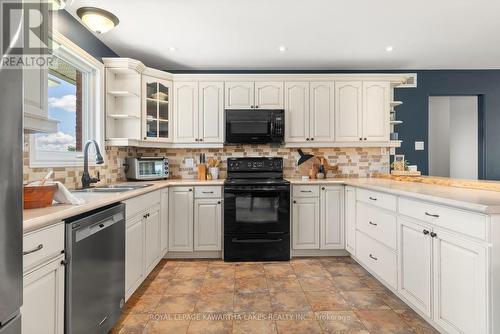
152, 238
211, 112
269, 95
207, 224
180, 227
348, 110
350, 219
460, 293
331, 217
186, 112
134, 254
376, 110
43, 299
297, 112
239, 95
415, 264
305, 223
164, 221
322, 112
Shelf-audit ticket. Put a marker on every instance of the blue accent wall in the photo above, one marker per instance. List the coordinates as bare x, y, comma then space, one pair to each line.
78, 34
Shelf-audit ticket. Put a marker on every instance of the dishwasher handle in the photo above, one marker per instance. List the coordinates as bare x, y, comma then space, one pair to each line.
85, 232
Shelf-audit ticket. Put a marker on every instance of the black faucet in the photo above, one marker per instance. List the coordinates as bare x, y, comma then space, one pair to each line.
86, 179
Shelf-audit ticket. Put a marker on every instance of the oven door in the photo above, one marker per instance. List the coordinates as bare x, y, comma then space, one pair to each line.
256, 209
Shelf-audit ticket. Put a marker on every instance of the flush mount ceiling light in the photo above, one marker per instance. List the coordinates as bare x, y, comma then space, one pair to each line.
282, 48
389, 48
172, 48
96, 19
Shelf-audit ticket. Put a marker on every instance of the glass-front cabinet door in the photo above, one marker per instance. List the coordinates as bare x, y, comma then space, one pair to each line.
156, 109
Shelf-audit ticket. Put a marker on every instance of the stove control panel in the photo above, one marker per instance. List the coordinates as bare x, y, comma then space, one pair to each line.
255, 164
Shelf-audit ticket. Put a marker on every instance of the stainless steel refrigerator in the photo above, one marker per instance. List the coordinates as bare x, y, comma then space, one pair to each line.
11, 214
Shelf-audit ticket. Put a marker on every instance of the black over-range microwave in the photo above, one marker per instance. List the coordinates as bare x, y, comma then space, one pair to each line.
255, 126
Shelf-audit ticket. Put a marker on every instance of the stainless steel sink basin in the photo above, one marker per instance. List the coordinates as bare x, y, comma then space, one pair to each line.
114, 188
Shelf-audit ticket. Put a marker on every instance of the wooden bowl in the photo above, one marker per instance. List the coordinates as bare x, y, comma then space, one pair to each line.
39, 196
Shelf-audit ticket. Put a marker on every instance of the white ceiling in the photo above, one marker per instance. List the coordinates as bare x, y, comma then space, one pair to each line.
318, 34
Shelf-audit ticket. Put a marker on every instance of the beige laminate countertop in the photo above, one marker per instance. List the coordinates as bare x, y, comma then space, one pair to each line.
482, 201
34, 219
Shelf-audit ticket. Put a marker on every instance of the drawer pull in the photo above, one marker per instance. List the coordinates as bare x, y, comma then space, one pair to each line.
431, 215
425, 232
372, 198
207, 192
306, 191
39, 247
433, 234
373, 257
373, 224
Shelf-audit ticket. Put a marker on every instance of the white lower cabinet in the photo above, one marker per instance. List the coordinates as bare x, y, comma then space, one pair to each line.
180, 227
134, 255
152, 236
415, 264
43, 299
460, 284
350, 219
331, 217
164, 221
305, 223
207, 224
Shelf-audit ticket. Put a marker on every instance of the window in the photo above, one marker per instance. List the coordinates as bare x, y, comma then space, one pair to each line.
74, 99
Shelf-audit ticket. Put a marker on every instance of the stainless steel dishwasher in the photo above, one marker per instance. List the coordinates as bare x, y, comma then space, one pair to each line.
95, 270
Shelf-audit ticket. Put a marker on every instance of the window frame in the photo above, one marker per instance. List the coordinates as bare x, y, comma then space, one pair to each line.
93, 126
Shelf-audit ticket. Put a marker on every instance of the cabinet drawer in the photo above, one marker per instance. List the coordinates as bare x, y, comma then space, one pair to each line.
377, 257
378, 224
208, 192
138, 204
468, 223
376, 198
42, 245
306, 191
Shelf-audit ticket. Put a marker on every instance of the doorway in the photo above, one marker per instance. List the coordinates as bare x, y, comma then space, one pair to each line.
455, 137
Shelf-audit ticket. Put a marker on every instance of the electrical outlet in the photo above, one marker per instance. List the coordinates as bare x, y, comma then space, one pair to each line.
419, 146
392, 151
190, 163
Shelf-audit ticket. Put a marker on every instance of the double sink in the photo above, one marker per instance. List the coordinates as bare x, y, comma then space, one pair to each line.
113, 188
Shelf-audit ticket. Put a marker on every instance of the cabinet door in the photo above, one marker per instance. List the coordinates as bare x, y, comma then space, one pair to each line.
331, 217
134, 255
157, 116
415, 262
211, 112
43, 299
186, 112
207, 224
164, 221
269, 95
350, 219
348, 110
322, 112
239, 95
305, 223
180, 227
297, 112
376, 110
35, 82
460, 293
152, 235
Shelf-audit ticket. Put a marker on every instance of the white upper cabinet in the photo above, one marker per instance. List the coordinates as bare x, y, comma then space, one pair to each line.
36, 110
376, 110
322, 112
211, 112
186, 112
240, 95
296, 112
269, 95
348, 110
156, 113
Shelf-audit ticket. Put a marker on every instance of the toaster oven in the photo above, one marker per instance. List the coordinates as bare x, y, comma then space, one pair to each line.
146, 168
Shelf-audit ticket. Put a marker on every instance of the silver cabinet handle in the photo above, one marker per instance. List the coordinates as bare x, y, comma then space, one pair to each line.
373, 224
306, 191
207, 192
373, 257
431, 215
372, 198
36, 249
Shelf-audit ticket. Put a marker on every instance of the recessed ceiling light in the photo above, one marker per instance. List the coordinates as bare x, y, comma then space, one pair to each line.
172, 48
96, 19
282, 48
389, 48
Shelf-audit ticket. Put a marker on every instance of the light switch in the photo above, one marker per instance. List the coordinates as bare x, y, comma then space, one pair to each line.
419, 146
190, 163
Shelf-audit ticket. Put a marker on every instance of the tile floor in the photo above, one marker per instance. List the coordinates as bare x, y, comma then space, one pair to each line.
305, 295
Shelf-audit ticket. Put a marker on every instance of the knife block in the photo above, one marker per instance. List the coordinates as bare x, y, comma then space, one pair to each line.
202, 172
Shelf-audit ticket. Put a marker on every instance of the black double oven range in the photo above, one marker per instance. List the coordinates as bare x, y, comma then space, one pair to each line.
256, 210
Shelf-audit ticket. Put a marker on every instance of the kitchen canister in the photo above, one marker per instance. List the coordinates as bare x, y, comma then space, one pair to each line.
214, 171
